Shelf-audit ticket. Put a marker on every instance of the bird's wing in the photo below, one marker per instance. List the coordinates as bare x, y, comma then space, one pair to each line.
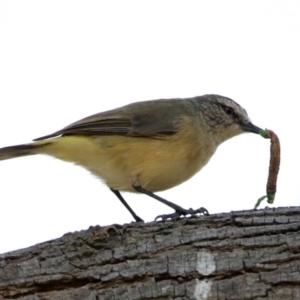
141, 119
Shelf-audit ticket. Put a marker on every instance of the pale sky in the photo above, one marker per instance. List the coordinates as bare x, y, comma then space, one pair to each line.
64, 60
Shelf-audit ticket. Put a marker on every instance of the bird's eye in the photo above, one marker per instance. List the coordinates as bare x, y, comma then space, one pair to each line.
229, 111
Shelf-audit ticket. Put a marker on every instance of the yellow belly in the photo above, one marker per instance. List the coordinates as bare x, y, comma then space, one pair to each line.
122, 161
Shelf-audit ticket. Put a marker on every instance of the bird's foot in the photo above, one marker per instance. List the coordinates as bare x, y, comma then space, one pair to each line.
183, 212
139, 220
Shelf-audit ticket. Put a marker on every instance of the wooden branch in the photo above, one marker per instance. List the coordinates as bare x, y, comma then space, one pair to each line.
238, 255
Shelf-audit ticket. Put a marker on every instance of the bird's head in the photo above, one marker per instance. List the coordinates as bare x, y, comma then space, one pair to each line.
225, 117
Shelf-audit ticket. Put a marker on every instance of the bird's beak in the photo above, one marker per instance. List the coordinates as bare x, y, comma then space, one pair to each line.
249, 127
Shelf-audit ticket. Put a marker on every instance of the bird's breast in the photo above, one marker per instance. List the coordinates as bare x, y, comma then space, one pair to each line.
121, 161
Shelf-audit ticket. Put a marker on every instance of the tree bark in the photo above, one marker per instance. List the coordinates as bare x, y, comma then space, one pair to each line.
237, 255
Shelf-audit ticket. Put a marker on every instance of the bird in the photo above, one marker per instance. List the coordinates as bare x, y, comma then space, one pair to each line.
147, 146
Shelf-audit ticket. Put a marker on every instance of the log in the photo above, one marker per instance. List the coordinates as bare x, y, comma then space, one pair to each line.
237, 255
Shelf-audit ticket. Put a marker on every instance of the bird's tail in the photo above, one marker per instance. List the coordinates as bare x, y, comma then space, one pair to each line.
20, 150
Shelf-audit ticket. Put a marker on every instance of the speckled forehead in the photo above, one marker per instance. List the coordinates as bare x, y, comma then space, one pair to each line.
237, 108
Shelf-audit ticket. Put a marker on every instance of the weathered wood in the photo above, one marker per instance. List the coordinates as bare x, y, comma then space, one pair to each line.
238, 255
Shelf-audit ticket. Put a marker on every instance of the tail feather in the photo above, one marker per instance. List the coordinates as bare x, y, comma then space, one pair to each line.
19, 150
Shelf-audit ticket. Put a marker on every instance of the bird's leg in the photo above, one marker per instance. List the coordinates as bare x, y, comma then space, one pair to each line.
136, 217
179, 211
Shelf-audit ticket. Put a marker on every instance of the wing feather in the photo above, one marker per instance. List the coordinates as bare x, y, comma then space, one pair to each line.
140, 119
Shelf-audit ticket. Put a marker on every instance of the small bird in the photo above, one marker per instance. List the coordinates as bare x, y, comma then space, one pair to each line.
146, 146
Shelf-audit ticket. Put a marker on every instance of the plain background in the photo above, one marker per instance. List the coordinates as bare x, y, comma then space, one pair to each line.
64, 60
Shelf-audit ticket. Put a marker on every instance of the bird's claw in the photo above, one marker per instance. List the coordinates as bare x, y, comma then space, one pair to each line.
178, 213
139, 220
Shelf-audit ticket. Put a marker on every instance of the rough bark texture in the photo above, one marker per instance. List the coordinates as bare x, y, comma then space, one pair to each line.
238, 255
